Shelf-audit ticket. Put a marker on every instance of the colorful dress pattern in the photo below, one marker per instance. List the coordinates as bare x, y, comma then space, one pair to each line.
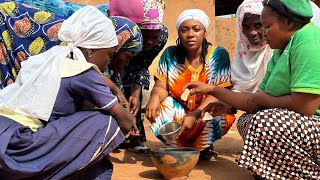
27, 31
74, 142
24, 32
137, 71
61, 8
216, 71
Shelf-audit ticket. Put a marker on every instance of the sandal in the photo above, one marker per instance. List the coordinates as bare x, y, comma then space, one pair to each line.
208, 153
142, 150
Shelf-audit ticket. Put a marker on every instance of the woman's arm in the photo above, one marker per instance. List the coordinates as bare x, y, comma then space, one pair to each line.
197, 112
252, 102
134, 99
116, 91
302, 103
158, 94
125, 119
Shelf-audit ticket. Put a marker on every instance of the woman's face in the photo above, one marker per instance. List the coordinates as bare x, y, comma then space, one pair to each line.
120, 60
253, 29
101, 57
276, 28
191, 34
151, 38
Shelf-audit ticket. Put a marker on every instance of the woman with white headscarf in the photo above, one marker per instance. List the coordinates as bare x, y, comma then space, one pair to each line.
44, 134
192, 59
253, 53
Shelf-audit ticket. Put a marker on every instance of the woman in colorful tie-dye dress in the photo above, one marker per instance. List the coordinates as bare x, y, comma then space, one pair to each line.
193, 59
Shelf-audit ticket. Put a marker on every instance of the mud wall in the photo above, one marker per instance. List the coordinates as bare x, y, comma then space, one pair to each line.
221, 30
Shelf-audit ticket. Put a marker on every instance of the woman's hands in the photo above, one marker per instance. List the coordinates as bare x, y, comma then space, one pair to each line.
216, 109
153, 109
158, 94
134, 99
187, 123
134, 132
199, 88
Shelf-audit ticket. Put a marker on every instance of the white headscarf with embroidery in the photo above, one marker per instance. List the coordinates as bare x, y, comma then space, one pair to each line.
250, 61
35, 90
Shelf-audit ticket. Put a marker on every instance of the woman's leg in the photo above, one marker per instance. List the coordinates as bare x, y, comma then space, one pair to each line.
243, 124
170, 110
282, 144
100, 170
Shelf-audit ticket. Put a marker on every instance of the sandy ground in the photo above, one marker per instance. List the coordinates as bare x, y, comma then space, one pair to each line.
128, 165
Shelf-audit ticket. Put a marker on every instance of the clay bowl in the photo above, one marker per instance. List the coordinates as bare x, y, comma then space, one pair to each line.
175, 163
169, 131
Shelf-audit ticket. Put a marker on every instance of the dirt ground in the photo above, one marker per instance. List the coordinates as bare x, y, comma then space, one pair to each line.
128, 165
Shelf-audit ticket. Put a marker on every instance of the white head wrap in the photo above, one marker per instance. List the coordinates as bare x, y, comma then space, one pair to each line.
35, 90
250, 61
316, 14
196, 14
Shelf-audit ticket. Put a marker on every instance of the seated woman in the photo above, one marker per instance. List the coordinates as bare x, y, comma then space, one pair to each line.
282, 141
45, 134
193, 59
252, 53
136, 77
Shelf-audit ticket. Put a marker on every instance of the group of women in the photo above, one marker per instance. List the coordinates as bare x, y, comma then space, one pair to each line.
72, 77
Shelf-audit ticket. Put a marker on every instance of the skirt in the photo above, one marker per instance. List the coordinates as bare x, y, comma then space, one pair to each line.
61, 149
281, 144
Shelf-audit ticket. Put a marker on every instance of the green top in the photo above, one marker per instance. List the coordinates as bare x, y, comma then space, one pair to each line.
297, 68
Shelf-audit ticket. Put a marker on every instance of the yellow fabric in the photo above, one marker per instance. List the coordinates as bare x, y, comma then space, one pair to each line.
33, 123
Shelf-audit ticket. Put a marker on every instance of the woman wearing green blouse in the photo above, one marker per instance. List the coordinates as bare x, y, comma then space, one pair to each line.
282, 131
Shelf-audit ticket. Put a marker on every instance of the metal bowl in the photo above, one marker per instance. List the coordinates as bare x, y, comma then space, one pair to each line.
169, 131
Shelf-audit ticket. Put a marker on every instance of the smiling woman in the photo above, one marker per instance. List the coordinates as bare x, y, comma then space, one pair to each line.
252, 54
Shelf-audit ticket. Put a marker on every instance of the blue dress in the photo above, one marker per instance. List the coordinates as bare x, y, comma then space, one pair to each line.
66, 145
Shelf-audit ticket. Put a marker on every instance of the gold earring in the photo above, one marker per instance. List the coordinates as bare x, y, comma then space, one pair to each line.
89, 53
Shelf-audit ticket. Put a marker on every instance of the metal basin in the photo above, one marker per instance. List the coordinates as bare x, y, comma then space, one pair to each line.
169, 131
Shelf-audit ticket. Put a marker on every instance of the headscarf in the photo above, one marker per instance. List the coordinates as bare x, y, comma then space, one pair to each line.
299, 11
250, 61
316, 14
196, 14
131, 9
128, 33
153, 14
35, 90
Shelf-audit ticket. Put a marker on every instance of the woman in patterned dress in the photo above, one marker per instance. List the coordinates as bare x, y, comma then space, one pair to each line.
193, 59
282, 130
136, 77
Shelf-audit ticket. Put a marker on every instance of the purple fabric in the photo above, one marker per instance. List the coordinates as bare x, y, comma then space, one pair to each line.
70, 138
